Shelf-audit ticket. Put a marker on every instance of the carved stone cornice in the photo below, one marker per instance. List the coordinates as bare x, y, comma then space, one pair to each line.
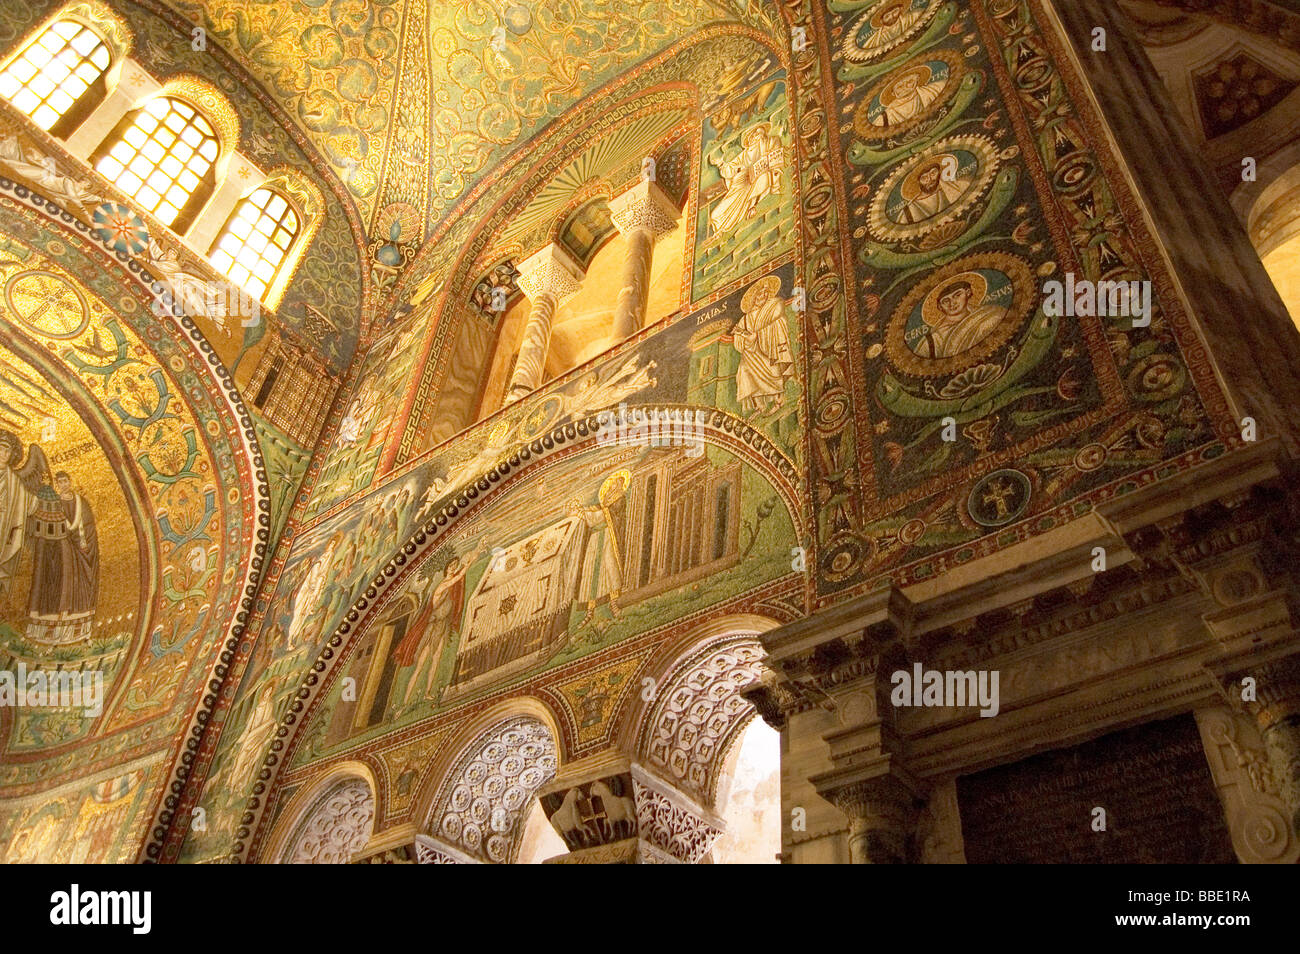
1262, 17
1207, 580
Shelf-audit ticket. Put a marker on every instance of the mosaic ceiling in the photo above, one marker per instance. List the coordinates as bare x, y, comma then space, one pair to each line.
412, 102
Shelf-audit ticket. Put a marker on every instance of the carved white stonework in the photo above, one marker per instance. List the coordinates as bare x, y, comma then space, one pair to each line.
483, 805
552, 273
644, 206
431, 851
671, 823
1257, 817
336, 827
938, 828
697, 712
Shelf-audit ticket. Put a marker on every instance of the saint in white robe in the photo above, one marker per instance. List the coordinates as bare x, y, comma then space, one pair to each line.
763, 339
751, 175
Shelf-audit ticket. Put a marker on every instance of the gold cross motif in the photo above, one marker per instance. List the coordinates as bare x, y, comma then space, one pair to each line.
997, 494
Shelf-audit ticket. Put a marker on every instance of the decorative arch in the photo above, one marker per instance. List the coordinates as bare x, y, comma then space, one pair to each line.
445, 263
482, 804
99, 16
117, 38
198, 471
307, 202
688, 726
209, 100
529, 213
216, 111
1269, 207
329, 821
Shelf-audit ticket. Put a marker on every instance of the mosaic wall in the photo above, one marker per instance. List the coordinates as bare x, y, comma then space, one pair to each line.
874, 219
971, 178
129, 499
616, 512
940, 179
412, 102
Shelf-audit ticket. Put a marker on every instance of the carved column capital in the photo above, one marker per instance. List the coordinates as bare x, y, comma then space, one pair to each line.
882, 811
628, 816
1275, 694
1268, 690
552, 273
548, 277
773, 699
644, 206
432, 851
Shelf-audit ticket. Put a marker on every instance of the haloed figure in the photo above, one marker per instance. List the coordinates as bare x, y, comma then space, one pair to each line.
65, 565
602, 566
762, 338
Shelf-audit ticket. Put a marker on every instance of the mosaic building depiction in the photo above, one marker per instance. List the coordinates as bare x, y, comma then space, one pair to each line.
693, 431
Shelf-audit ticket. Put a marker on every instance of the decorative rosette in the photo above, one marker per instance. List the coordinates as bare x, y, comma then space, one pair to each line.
121, 228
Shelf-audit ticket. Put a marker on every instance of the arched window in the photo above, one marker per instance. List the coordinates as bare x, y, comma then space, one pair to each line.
256, 240
162, 156
58, 76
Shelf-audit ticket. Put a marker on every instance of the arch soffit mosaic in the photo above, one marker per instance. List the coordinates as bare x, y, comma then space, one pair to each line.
300, 806
497, 764
695, 714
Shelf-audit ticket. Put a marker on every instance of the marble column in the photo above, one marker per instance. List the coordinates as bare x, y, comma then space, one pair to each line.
642, 214
548, 277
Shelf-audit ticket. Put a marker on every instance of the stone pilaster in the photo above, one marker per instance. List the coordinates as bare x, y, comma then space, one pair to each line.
838, 678
641, 214
1268, 691
548, 277
1248, 787
1242, 554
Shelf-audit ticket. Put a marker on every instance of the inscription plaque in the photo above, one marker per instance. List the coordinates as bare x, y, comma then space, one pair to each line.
1153, 781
